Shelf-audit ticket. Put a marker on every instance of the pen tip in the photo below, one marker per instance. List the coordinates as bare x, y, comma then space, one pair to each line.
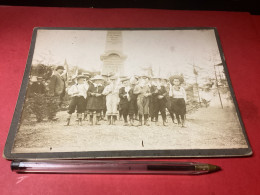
214, 168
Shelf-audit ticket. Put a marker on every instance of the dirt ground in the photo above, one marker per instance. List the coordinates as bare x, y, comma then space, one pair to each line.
207, 128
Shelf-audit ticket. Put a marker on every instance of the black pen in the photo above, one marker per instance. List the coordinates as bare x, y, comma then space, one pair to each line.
113, 167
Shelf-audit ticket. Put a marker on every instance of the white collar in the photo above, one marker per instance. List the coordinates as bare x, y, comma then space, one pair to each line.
97, 85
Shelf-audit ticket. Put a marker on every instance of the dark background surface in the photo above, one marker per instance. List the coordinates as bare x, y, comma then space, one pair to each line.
240, 38
210, 5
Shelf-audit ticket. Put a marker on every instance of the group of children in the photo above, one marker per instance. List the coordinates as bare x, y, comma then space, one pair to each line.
137, 98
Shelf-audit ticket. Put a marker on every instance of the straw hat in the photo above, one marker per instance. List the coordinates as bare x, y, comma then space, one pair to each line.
144, 76
86, 74
124, 79
60, 67
81, 76
97, 77
155, 78
136, 77
113, 77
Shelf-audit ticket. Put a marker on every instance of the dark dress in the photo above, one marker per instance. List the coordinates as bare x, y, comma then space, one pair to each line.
168, 99
95, 103
179, 106
90, 84
142, 101
153, 104
178, 101
161, 103
123, 103
132, 109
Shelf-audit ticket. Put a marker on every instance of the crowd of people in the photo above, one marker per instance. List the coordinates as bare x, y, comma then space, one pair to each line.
108, 97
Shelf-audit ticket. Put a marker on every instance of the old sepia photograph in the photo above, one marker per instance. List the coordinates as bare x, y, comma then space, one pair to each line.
99, 93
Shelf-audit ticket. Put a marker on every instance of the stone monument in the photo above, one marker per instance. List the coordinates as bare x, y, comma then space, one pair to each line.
113, 57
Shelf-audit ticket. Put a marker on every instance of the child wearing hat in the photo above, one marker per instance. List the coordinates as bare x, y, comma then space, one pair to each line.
133, 99
95, 99
111, 94
124, 99
132, 109
165, 82
153, 104
178, 99
143, 95
158, 100
78, 91
87, 82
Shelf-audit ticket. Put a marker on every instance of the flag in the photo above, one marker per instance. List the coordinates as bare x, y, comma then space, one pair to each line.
195, 72
66, 67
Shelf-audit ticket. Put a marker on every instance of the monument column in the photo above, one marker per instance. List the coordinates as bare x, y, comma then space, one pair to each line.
113, 57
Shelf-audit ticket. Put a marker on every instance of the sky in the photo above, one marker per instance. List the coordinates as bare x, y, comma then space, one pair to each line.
166, 51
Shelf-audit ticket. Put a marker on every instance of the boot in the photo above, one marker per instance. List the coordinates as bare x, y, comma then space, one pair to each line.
125, 120
77, 119
113, 120
126, 123
68, 120
91, 120
80, 119
97, 120
172, 117
132, 122
109, 120
120, 116
140, 120
156, 121
164, 123
146, 122
178, 120
85, 117
80, 122
182, 123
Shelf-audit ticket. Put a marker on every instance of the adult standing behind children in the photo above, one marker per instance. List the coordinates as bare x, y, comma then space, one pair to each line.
56, 92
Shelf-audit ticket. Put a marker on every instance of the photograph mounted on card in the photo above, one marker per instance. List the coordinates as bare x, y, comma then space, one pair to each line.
126, 93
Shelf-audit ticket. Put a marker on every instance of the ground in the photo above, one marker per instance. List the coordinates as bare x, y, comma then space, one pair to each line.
207, 128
